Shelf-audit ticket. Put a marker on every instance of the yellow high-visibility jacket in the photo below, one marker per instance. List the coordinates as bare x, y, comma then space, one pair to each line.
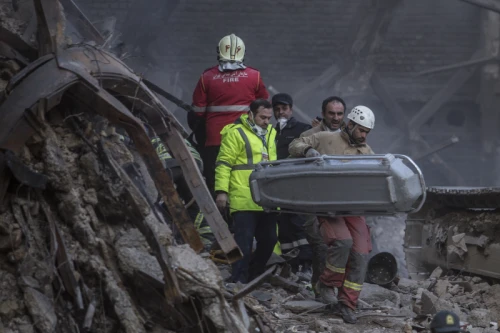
240, 150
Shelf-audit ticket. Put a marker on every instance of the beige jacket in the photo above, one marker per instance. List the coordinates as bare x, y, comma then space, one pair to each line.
328, 143
321, 128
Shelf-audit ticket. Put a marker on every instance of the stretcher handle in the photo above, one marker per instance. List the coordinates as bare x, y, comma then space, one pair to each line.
386, 157
420, 177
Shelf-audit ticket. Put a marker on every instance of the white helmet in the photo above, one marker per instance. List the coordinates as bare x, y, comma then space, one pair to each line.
363, 116
231, 48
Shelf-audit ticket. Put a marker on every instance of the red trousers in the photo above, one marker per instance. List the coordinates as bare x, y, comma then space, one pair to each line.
349, 242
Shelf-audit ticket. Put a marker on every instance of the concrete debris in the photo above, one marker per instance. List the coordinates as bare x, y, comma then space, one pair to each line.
407, 285
301, 306
441, 288
480, 318
124, 269
377, 295
41, 309
491, 299
458, 245
436, 273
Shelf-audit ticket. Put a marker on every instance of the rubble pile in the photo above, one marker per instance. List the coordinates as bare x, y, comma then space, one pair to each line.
81, 252
404, 306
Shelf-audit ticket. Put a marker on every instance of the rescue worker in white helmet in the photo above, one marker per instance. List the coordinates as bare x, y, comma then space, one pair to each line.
348, 237
222, 95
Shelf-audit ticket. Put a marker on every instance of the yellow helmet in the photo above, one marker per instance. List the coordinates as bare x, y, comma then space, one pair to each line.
231, 48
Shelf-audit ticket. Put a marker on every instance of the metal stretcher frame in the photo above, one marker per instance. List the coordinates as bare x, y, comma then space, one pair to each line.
322, 159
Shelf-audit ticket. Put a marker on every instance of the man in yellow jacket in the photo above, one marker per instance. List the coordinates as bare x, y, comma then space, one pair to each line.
250, 140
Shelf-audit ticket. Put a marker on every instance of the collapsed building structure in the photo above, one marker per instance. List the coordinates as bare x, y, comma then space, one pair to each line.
83, 245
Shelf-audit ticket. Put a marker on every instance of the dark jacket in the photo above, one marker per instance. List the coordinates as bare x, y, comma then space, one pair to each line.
291, 131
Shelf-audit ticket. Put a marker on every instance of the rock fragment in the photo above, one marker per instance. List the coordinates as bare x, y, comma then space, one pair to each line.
301, 306
377, 295
436, 273
41, 309
480, 318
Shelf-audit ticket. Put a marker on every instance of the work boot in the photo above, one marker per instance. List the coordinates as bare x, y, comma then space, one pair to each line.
347, 314
327, 294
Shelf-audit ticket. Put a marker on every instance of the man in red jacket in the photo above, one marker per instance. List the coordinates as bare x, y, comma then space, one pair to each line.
223, 93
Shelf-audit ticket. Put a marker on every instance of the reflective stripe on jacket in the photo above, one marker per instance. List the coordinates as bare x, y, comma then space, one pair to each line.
169, 160
222, 97
240, 150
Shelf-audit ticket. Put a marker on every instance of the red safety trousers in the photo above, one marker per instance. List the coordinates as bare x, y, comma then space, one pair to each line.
349, 242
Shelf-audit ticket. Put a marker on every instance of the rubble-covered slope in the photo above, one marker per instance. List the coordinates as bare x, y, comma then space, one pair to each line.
73, 255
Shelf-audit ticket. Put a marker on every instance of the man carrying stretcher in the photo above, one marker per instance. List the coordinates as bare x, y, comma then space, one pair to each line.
348, 237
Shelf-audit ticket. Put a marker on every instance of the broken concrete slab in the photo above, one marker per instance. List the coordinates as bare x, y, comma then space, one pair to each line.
476, 279
455, 290
431, 304
301, 306
377, 295
132, 253
441, 288
467, 286
436, 273
480, 318
428, 300
480, 286
407, 285
41, 309
491, 299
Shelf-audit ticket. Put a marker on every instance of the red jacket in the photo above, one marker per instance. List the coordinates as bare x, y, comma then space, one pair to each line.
225, 96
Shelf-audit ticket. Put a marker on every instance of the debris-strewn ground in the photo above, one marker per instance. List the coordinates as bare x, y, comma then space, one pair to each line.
82, 254
407, 306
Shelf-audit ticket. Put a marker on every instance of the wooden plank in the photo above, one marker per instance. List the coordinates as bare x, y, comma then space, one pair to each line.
493, 5
175, 142
443, 95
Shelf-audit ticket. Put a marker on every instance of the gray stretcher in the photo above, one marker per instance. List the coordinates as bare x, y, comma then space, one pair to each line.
358, 185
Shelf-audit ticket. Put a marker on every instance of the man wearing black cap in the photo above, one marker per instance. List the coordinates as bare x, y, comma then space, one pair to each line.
445, 322
291, 233
288, 127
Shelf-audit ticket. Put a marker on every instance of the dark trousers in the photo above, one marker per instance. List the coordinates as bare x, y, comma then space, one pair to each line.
209, 157
248, 225
291, 234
